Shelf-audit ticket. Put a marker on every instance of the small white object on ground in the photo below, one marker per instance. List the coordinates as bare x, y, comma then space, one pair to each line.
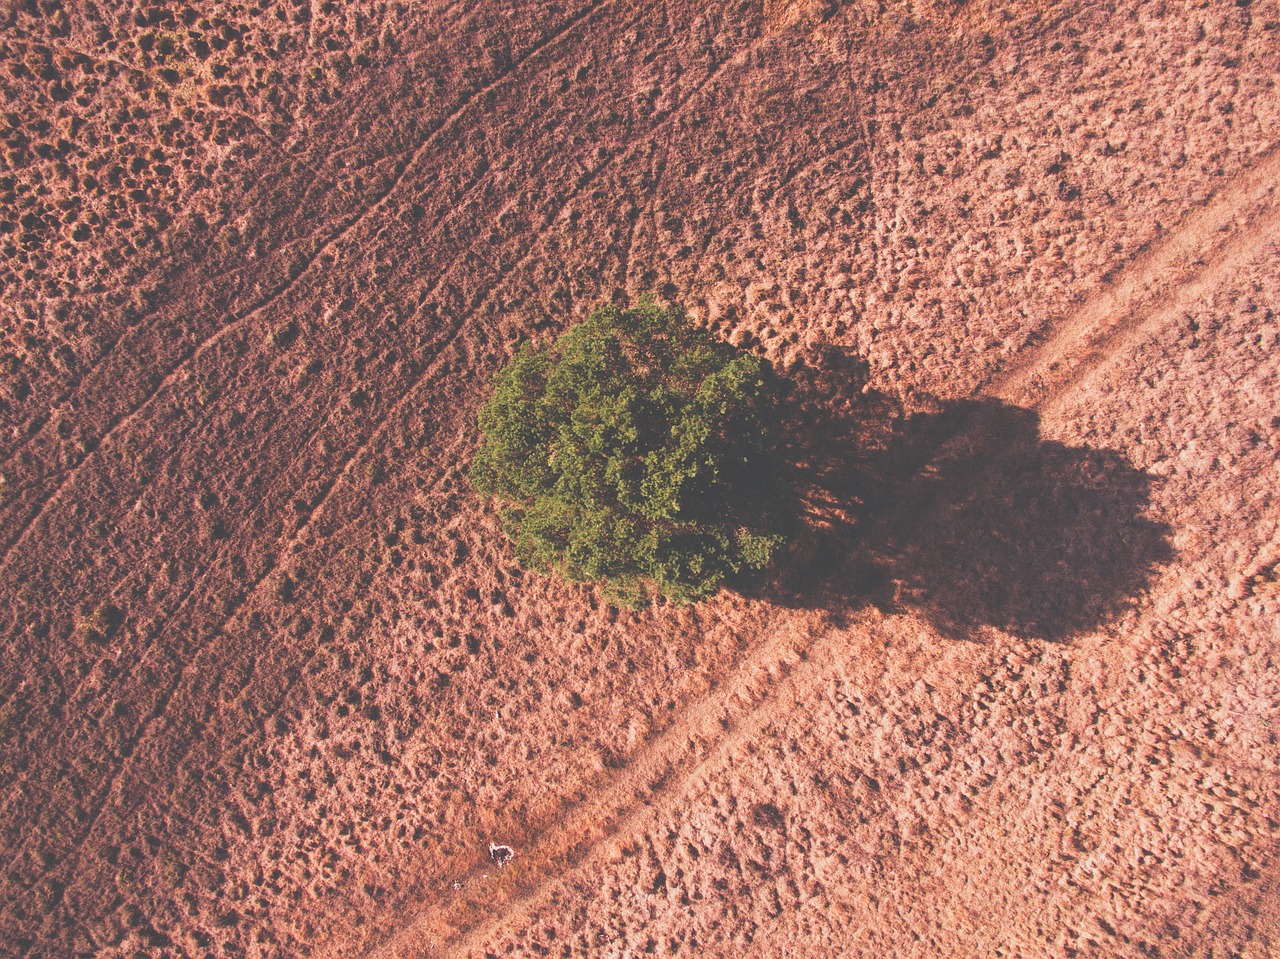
500, 854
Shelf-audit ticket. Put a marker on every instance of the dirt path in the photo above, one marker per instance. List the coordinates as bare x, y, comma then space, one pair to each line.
782, 671
628, 797
1177, 269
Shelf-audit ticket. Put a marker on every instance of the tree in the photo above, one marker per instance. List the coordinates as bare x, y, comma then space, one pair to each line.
638, 451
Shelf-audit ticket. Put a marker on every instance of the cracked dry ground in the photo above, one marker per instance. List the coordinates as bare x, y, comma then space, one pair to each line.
272, 680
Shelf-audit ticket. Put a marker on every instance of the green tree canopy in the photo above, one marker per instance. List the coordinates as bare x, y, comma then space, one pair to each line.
638, 451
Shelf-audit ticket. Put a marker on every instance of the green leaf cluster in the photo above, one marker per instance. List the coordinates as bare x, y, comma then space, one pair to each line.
638, 451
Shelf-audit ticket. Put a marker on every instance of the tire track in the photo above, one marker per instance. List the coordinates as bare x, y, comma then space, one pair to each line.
193, 591
346, 468
156, 271
584, 182
690, 737
1092, 352
788, 675
209, 342
505, 275
1095, 352
1043, 379
1177, 266
233, 276
343, 473
560, 845
454, 210
184, 600
323, 425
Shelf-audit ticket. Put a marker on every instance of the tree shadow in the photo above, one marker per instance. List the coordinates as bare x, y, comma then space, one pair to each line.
961, 511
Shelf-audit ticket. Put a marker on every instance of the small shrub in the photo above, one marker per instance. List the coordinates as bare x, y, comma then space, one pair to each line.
97, 627
283, 335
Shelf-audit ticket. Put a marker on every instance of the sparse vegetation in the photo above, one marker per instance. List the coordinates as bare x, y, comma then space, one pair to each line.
97, 626
638, 451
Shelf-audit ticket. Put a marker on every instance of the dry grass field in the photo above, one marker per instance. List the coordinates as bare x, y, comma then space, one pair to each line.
272, 680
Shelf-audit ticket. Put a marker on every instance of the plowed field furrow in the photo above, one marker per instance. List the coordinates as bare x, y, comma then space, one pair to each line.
123, 421
701, 741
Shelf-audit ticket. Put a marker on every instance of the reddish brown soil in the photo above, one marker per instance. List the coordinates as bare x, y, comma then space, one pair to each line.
272, 680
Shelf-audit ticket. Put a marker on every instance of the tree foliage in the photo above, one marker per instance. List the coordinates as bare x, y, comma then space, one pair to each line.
636, 450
